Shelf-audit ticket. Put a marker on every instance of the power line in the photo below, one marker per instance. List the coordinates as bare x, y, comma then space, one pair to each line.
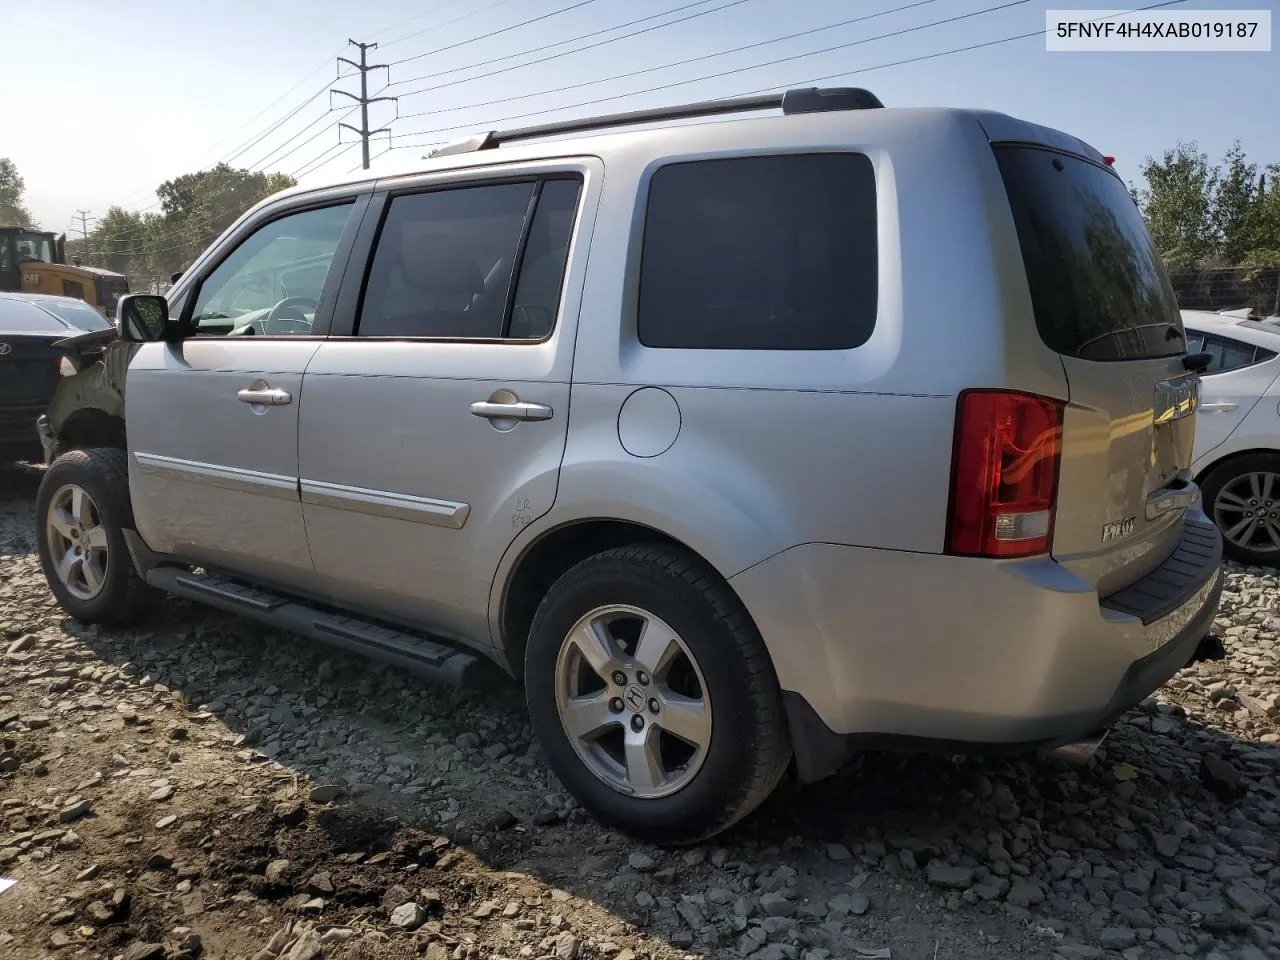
493, 33
565, 53
724, 53
712, 76
447, 23
417, 16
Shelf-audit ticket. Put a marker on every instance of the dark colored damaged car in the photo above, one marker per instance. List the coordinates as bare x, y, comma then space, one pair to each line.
45, 342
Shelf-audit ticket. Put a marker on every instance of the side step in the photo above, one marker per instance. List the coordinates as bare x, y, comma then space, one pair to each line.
420, 654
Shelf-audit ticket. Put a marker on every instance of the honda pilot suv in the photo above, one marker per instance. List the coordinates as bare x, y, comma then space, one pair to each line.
744, 444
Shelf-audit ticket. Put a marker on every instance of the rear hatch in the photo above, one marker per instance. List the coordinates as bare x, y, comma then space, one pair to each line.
1104, 304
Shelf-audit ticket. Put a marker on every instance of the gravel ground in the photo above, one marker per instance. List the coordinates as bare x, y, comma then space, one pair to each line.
201, 786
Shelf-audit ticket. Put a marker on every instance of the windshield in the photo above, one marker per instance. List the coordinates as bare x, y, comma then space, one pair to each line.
35, 246
1098, 287
77, 313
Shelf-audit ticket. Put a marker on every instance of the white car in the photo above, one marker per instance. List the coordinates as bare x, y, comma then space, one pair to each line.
1237, 445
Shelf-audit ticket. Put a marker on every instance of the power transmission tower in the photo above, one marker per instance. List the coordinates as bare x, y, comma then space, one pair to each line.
84, 216
364, 99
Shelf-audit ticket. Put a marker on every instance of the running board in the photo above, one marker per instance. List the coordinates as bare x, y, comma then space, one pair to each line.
420, 654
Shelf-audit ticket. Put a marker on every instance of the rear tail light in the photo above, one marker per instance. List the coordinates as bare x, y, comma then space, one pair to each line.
1004, 474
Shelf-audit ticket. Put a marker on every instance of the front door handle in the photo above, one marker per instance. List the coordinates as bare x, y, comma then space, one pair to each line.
516, 410
265, 396
1224, 407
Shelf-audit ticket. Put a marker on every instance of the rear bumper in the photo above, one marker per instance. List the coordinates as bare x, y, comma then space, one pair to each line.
18, 428
879, 649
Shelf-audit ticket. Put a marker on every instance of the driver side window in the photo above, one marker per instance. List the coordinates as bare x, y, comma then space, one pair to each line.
270, 285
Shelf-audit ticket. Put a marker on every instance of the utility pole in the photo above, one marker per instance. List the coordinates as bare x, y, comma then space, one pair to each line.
364, 99
84, 217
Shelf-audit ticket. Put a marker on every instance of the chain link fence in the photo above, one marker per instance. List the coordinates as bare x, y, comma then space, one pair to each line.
1229, 288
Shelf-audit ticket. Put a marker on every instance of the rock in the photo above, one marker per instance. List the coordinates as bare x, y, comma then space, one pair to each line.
1222, 778
838, 852
145, 951
1168, 939
276, 870
167, 821
641, 862
776, 904
486, 909
320, 884
949, 878
160, 794
1117, 938
1024, 894
1077, 951
282, 715
75, 810
22, 644
846, 904
567, 947
99, 913
178, 734
408, 916
1253, 903
89, 873
325, 793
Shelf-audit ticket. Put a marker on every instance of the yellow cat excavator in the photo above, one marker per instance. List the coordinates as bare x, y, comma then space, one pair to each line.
36, 262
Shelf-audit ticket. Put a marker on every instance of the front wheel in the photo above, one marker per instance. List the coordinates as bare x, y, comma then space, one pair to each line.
1242, 496
82, 511
653, 696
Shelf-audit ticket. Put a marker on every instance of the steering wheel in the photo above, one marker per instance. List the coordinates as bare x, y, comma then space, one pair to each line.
288, 311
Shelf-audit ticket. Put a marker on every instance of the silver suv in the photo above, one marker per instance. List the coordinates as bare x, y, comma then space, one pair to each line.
745, 444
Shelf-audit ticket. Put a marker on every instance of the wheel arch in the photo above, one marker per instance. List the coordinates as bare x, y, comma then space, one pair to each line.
541, 561
1232, 456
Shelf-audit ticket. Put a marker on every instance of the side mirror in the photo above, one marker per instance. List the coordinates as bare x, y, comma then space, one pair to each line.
143, 318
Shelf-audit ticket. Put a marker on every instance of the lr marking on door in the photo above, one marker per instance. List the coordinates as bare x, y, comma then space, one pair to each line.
523, 515
1118, 528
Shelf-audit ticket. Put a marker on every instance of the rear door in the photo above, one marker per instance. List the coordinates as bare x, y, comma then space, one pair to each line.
436, 414
1104, 304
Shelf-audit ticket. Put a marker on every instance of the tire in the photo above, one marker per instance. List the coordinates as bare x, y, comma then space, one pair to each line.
101, 586
1227, 492
720, 675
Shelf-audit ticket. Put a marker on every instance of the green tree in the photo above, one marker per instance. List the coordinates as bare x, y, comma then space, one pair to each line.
13, 210
195, 209
1264, 221
1177, 202
1234, 211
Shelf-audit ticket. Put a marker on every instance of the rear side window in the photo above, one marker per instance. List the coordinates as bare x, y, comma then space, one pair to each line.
1227, 353
760, 253
1097, 284
471, 263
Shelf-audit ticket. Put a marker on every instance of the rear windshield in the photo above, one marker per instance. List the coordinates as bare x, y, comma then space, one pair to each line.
18, 316
77, 313
1097, 284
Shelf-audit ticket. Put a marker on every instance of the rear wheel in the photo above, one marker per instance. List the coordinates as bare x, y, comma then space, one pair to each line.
1242, 496
653, 697
82, 511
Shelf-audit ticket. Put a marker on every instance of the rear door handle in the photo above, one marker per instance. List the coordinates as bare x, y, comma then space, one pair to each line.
1224, 407
266, 396
517, 410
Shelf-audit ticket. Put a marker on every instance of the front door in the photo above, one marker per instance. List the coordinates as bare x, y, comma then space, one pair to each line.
213, 419
434, 432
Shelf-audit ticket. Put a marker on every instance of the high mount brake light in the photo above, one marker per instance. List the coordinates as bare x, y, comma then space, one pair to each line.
1004, 474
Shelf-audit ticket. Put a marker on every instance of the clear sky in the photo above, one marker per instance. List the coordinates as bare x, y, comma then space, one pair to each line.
102, 101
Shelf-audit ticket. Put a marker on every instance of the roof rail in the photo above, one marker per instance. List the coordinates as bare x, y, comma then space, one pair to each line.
805, 100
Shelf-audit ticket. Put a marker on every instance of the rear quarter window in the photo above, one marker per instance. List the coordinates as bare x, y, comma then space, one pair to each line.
1098, 287
760, 253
